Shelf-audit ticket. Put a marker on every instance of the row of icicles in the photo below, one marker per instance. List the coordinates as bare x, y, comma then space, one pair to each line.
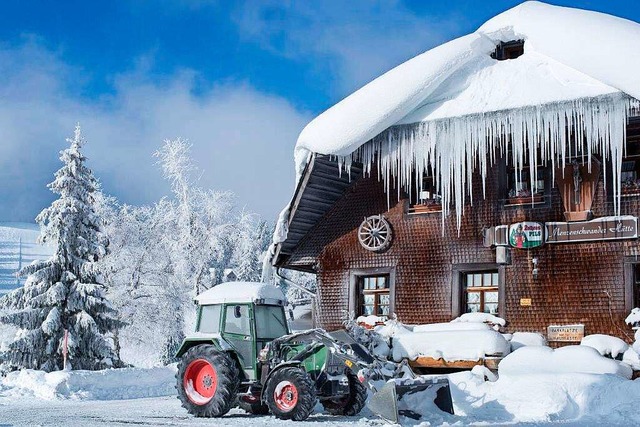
451, 149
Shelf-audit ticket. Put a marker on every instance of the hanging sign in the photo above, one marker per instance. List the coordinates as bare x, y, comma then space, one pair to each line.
607, 228
526, 235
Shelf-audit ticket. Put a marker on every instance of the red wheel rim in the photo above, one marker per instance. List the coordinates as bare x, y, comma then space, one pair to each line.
200, 381
286, 396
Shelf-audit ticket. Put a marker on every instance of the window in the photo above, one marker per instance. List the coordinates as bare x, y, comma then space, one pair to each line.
270, 322
636, 285
375, 298
521, 190
427, 198
481, 292
630, 176
237, 320
209, 319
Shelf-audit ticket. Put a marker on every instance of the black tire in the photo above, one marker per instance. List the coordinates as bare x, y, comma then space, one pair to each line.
351, 404
291, 394
256, 408
219, 377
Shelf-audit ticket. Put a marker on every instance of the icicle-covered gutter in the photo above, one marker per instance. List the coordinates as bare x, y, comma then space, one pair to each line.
451, 148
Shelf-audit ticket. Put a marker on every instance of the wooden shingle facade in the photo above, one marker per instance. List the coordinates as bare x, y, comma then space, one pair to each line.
434, 272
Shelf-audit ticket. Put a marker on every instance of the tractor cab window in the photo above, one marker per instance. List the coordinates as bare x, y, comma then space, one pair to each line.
209, 319
237, 320
270, 322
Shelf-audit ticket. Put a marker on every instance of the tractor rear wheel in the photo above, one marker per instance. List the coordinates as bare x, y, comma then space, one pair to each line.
291, 394
207, 381
352, 403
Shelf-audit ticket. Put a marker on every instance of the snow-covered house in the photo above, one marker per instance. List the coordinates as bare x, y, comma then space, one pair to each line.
498, 172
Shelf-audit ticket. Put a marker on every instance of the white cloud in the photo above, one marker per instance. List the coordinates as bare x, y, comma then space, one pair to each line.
357, 40
242, 139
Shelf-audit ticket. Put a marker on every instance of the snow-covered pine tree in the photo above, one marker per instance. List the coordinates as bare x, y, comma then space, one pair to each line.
64, 292
250, 247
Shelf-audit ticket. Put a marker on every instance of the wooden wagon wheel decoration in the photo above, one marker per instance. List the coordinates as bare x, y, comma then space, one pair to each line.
375, 233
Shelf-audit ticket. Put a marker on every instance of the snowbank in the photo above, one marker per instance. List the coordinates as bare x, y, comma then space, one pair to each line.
585, 399
110, 384
605, 344
522, 339
570, 359
241, 292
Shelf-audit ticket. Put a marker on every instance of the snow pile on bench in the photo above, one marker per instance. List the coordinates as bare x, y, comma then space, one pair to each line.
480, 318
523, 339
570, 359
605, 344
448, 341
110, 384
240, 292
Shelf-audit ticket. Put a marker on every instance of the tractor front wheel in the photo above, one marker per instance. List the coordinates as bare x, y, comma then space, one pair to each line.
350, 404
291, 394
207, 381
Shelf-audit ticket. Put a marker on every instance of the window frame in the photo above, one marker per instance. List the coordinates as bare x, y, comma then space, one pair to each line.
631, 282
631, 154
458, 293
481, 290
508, 170
355, 294
435, 202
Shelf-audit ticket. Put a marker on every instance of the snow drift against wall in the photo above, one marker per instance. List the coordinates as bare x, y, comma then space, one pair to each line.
448, 110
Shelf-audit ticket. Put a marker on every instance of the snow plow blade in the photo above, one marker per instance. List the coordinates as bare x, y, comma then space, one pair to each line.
411, 398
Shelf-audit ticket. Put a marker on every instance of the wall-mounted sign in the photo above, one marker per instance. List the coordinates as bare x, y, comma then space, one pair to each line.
565, 333
525, 302
526, 235
607, 228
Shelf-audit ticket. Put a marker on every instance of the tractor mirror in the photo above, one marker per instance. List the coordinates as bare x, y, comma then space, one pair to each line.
236, 312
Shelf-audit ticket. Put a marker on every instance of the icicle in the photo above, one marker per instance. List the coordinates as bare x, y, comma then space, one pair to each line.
452, 149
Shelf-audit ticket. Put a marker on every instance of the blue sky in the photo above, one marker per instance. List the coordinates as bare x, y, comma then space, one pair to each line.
238, 79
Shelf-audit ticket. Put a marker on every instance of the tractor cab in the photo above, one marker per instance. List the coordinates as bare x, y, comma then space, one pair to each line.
241, 317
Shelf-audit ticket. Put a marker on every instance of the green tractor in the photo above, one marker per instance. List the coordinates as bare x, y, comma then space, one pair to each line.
242, 353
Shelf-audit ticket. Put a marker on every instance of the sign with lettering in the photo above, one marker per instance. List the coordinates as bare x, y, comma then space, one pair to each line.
565, 333
525, 302
607, 228
526, 235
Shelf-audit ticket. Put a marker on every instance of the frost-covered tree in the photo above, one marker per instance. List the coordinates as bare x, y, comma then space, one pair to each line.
162, 255
252, 241
65, 292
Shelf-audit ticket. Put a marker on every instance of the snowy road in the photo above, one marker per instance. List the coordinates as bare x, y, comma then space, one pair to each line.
166, 411
161, 411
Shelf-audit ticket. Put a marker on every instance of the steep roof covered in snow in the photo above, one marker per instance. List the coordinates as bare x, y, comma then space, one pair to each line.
239, 292
448, 110
581, 53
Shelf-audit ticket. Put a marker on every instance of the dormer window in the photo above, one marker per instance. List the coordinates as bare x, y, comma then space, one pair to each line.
508, 50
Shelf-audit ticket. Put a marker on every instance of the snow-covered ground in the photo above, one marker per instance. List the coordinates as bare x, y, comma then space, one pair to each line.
104, 398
